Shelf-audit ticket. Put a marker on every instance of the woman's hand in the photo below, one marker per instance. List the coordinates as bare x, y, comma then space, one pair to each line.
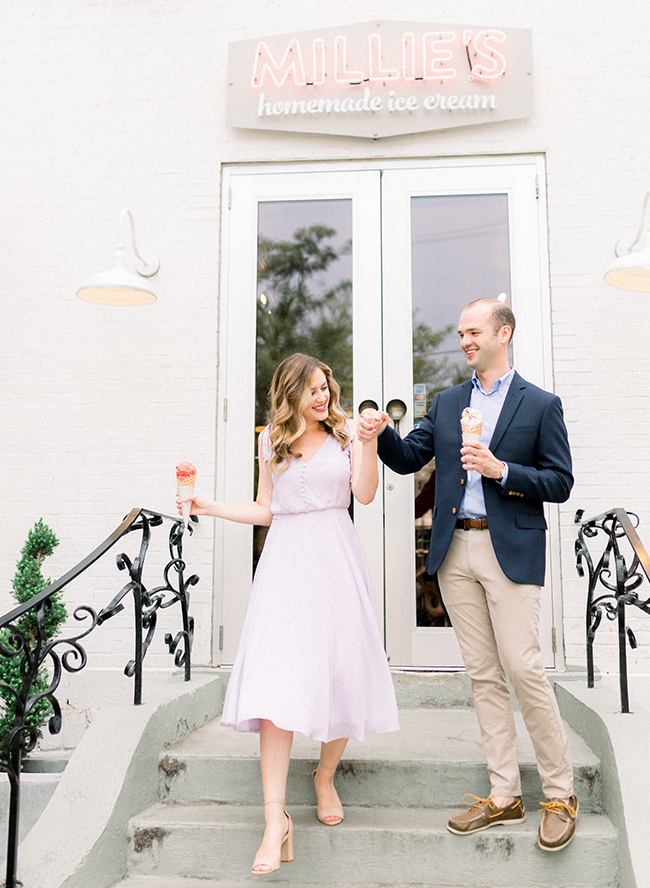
371, 423
200, 504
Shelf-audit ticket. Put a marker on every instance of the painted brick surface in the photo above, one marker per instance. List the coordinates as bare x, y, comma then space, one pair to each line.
106, 105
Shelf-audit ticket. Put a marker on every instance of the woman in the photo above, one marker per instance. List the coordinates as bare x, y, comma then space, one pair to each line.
310, 657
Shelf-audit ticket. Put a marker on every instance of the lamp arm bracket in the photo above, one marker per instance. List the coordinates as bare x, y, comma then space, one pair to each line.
627, 244
147, 264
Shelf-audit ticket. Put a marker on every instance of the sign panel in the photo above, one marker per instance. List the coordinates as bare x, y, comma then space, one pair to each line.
381, 79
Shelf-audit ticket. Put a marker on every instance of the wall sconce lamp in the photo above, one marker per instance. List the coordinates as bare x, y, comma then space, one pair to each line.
631, 271
119, 286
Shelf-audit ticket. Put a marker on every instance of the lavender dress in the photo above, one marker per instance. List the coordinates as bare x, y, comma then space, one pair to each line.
310, 657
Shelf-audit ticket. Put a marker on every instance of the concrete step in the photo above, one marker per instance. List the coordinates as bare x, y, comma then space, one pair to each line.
373, 846
431, 762
161, 882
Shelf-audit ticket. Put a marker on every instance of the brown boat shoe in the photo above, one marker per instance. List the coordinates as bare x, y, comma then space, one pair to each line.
558, 824
483, 814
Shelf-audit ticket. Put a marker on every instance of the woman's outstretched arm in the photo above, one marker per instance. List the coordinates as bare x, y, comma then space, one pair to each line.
258, 512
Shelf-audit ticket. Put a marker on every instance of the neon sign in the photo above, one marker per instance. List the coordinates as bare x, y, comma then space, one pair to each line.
436, 51
379, 79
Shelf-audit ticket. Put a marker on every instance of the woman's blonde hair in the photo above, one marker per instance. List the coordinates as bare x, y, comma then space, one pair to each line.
290, 396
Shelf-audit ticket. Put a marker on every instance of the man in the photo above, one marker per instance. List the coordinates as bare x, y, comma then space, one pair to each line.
488, 540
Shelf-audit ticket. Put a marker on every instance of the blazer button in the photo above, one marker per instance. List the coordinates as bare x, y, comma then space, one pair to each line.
453, 511
462, 481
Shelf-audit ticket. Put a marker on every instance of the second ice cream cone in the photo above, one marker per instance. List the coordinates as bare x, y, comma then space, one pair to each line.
471, 439
471, 425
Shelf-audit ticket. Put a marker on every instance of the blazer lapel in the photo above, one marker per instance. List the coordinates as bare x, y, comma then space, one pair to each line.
510, 407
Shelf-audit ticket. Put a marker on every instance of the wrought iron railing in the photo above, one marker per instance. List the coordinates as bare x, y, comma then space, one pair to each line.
68, 653
619, 578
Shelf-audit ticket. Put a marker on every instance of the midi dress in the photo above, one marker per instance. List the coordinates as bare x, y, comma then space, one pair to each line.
310, 656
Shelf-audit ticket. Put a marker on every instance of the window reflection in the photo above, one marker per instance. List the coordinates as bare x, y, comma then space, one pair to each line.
304, 296
459, 252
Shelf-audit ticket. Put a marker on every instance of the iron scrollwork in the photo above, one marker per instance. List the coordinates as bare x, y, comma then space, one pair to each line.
619, 579
149, 601
69, 654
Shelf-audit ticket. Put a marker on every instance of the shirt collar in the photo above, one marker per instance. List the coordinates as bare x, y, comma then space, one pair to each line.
503, 382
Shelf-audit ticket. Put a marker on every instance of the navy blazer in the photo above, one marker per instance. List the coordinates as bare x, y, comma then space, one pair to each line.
530, 436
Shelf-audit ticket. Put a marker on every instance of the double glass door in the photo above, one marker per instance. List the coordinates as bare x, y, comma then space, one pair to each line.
367, 268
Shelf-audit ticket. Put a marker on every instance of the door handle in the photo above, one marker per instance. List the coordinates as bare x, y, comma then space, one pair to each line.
368, 403
396, 409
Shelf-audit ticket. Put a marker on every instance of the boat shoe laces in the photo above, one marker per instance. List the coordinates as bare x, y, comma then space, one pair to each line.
556, 806
478, 802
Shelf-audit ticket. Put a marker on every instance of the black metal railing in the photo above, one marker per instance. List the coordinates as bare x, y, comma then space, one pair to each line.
68, 654
619, 579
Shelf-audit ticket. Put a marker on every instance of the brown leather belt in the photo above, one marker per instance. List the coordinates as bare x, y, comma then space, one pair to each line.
472, 524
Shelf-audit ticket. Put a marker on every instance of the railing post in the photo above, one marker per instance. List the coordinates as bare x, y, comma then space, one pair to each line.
590, 660
137, 679
622, 656
14, 817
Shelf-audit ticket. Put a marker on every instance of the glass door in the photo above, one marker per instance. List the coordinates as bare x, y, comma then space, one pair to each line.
368, 269
302, 272
456, 233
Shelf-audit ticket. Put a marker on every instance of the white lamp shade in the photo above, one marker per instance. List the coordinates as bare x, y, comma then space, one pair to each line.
631, 271
118, 286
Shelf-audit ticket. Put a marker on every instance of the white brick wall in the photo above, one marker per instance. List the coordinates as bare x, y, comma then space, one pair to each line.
106, 105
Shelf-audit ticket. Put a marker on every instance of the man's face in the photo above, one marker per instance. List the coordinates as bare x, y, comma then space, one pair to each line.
482, 346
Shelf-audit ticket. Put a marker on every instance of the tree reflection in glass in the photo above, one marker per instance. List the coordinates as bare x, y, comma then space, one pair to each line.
301, 307
304, 297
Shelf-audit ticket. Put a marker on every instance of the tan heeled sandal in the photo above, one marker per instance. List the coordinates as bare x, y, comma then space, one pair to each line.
335, 815
286, 847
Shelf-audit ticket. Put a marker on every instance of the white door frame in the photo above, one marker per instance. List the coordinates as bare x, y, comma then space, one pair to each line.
519, 179
243, 187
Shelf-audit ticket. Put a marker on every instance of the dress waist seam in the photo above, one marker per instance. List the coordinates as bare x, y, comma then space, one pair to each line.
312, 511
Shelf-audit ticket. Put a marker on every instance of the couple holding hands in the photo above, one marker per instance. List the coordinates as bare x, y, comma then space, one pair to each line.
310, 657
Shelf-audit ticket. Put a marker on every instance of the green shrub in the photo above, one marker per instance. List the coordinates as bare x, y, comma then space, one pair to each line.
29, 581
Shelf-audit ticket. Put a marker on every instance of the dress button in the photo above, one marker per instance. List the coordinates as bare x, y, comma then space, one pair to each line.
453, 511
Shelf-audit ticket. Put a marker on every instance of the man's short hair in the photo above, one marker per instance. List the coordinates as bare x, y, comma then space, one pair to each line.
502, 315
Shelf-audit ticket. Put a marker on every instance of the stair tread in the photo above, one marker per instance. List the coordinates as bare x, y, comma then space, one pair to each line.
449, 736
180, 882
179, 816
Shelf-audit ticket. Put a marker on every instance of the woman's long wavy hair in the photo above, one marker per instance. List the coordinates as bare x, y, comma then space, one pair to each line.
290, 396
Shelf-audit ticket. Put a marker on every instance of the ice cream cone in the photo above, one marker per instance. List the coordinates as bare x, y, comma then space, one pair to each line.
471, 439
471, 423
186, 490
185, 479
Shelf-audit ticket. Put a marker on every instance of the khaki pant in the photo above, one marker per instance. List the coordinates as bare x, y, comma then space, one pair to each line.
497, 625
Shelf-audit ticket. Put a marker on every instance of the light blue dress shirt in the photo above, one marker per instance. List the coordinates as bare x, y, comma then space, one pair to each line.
490, 404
